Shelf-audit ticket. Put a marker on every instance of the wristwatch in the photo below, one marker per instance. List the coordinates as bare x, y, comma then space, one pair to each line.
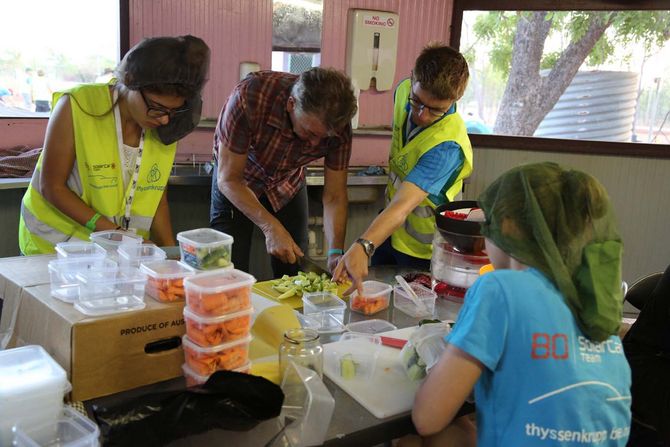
368, 246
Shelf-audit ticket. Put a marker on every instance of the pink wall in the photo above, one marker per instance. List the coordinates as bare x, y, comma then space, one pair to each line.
241, 30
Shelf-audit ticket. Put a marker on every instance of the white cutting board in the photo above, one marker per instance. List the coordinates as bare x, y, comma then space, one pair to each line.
389, 391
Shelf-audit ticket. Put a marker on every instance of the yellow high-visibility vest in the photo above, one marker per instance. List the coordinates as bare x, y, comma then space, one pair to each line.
416, 235
96, 176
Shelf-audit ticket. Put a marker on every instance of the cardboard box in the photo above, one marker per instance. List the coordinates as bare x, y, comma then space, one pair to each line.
102, 355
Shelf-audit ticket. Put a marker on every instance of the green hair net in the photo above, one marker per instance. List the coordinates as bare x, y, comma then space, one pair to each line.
560, 222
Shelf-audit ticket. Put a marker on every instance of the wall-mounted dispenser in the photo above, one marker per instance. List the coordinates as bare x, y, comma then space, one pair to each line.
371, 48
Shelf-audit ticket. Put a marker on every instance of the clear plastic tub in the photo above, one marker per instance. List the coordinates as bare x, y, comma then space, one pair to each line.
374, 326
101, 293
354, 356
193, 379
72, 429
63, 275
217, 293
165, 279
205, 360
32, 386
375, 298
205, 248
215, 331
326, 309
405, 304
111, 240
132, 255
79, 249
308, 406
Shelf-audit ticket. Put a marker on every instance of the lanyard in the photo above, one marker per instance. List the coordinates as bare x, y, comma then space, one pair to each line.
125, 220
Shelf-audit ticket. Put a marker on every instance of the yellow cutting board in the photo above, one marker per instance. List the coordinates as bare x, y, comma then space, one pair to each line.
264, 289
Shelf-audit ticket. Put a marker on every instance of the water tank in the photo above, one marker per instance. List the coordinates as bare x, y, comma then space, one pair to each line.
597, 105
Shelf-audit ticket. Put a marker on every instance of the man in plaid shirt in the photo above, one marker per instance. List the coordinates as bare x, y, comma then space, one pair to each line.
272, 125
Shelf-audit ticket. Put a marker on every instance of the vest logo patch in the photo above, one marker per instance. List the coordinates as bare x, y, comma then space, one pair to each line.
402, 163
154, 174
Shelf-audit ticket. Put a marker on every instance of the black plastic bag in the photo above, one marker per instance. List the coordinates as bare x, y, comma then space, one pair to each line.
228, 400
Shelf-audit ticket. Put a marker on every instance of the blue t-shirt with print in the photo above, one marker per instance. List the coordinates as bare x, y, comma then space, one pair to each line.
544, 383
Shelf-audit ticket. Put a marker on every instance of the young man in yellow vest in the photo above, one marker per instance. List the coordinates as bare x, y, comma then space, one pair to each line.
430, 156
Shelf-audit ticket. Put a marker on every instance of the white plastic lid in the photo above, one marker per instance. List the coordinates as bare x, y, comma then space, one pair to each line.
166, 269
116, 237
213, 320
218, 281
373, 289
29, 369
373, 326
79, 249
148, 252
213, 349
204, 237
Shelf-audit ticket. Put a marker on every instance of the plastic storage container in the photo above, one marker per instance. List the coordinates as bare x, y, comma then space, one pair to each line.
355, 355
213, 331
63, 275
326, 309
32, 386
375, 298
308, 403
205, 360
101, 293
193, 379
217, 293
71, 430
205, 249
405, 304
165, 279
111, 240
79, 249
374, 326
132, 255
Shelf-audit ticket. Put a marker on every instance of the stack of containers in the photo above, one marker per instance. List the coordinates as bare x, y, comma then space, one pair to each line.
218, 320
32, 386
74, 257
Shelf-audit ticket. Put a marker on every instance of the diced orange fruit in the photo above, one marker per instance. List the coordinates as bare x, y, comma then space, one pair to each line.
216, 304
205, 364
368, 306
218, 333
165, 290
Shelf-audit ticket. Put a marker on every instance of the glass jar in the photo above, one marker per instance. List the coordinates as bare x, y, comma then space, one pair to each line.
303, 347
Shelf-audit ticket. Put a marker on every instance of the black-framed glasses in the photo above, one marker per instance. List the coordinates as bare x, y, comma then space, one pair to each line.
158, 111
418, 106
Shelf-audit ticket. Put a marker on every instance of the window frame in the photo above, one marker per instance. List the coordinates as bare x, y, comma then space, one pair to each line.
540, 144
124, 47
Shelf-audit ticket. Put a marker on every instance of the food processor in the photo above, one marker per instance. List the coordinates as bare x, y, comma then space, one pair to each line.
458, 249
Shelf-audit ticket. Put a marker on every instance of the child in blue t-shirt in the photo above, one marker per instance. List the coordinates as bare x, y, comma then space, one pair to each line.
537, 338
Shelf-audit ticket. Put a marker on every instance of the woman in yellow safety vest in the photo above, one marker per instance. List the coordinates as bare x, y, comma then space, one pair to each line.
109, 148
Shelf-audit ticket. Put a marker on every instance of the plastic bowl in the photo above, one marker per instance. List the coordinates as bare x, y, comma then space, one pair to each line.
464, 235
